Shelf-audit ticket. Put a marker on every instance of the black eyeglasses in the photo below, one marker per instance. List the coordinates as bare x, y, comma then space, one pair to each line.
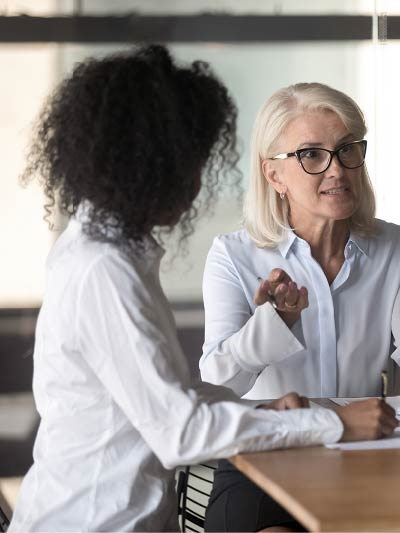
317, 160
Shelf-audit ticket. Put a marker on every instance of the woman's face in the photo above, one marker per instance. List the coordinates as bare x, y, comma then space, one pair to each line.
332, 195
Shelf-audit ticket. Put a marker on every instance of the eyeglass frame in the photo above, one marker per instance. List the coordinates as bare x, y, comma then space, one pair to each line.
332, 153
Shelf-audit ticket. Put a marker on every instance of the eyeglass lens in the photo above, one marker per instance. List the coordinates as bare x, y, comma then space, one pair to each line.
317, 160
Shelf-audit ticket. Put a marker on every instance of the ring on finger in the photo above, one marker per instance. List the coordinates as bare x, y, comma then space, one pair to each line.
291, 306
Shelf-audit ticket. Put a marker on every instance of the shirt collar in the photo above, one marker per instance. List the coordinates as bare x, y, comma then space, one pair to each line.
291, 238
362, 243
285, 245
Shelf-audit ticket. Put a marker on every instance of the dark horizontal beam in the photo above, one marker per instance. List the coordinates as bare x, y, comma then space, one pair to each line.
193, 28
393, 27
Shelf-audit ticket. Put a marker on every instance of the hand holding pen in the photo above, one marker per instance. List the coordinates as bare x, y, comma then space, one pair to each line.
283, 294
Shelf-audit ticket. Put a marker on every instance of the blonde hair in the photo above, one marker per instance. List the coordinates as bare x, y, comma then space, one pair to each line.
265, 215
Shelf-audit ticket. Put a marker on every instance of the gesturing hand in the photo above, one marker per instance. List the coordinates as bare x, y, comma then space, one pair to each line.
288, 298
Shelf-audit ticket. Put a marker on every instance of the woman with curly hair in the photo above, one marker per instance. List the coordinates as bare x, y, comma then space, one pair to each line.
122, 148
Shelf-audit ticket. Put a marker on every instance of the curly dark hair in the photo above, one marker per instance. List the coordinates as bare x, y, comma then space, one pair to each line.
132, 134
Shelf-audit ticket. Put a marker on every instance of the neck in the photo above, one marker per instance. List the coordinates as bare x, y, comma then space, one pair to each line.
327, 241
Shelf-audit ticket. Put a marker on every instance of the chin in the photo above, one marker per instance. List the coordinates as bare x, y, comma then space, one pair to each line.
342, 212
342, 215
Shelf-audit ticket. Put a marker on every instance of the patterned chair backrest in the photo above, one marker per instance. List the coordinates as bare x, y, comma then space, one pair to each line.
5, 513
194, 487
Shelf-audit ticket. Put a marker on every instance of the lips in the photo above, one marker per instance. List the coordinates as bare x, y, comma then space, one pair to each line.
336, 190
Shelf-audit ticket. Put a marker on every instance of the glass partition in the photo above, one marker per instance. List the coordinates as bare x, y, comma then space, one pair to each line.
252, 72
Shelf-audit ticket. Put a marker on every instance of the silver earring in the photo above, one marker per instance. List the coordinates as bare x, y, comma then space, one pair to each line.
282, 195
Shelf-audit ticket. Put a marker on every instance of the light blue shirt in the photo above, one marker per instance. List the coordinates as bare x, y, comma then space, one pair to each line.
342, 341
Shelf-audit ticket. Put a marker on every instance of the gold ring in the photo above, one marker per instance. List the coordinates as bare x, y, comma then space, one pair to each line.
291, 306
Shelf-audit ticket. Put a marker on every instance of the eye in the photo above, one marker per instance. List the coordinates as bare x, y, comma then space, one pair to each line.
313, 153
347, 149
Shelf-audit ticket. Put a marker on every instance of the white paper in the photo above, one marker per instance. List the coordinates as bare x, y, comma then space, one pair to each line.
380, 444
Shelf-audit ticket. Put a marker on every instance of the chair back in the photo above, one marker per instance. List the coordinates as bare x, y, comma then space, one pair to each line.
194, 487
5, 513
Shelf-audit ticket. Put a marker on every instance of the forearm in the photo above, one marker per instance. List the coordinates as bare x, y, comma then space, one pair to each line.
225, 429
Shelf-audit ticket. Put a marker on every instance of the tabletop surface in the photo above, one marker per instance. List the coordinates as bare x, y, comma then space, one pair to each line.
331, 490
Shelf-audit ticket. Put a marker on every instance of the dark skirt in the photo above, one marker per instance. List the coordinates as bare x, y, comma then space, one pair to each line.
237, 504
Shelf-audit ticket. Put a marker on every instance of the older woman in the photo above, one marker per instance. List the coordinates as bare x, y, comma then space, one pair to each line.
305, 296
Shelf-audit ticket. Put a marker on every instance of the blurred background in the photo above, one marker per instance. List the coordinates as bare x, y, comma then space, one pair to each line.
256, 47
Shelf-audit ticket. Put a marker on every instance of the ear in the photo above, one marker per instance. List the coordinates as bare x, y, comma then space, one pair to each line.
271, 174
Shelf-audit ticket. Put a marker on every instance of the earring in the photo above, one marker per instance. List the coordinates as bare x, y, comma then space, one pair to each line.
282, 195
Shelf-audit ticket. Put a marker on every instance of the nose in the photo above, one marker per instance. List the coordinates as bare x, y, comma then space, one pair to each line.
335, 169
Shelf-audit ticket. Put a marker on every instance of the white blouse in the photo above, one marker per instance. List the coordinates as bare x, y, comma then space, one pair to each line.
341, 342
118, 409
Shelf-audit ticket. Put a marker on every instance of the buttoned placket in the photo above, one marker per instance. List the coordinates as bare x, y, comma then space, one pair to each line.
327, 326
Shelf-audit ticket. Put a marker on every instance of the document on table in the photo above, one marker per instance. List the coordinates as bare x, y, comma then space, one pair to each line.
380, 444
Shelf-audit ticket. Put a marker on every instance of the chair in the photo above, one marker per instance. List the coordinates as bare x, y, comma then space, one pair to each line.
4, 521
194, 487
5, 513
18, 416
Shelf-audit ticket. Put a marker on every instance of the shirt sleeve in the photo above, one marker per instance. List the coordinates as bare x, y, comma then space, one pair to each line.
121, 339
238, 344
396, 329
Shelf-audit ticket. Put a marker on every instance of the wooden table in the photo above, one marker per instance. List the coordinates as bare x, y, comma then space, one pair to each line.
331, 490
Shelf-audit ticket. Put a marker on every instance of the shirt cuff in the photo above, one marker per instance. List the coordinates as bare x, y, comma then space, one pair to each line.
313, 426
396, 356
265, 339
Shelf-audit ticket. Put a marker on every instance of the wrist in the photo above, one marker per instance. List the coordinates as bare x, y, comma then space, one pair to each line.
290, 319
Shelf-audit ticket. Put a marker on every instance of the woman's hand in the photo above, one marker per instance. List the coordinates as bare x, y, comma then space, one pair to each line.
362, 420
290, 401
289, 299
367, 420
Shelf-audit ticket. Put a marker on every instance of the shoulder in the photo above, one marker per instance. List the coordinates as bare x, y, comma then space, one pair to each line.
228, 247
387, 230
76, 261
237, 254
236, 240
385, 243
387, 236
239, 244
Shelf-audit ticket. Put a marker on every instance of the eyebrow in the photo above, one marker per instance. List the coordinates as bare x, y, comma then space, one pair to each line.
314, 144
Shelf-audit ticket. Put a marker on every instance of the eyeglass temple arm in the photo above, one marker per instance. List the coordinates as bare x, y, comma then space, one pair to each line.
283, 156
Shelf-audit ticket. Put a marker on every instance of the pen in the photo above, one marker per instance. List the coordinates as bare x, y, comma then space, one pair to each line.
271, 297
384, 384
